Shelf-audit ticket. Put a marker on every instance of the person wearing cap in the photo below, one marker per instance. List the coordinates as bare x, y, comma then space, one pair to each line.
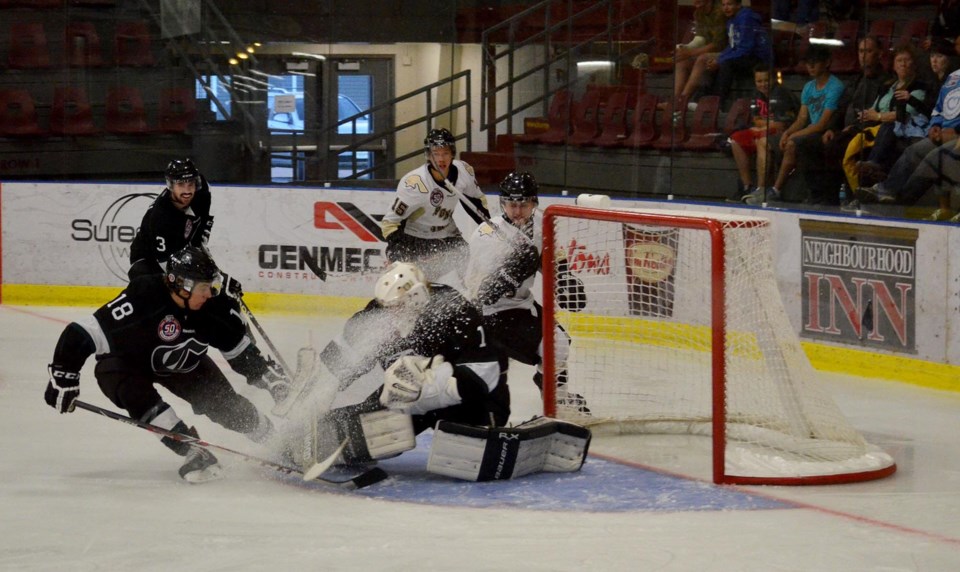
820, 100
943, 60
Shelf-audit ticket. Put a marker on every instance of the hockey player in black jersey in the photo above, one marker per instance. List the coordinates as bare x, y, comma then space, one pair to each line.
440, 373
179, 216
157, 332
504, 260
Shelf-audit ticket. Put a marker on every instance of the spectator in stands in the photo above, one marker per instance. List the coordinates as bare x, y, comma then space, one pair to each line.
946, 24
771, 110
926, 162
824, 175
943, 60
840, 10
897, 118
807, 11
802, 142
691, 58
747, 45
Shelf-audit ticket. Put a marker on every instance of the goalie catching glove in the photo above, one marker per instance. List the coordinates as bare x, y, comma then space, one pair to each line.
417, 384
63, 389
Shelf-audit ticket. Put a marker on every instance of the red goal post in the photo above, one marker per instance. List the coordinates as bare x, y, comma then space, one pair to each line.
684, 333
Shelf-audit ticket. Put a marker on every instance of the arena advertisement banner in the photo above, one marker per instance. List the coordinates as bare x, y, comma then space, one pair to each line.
859, 284
651, 255
274, 240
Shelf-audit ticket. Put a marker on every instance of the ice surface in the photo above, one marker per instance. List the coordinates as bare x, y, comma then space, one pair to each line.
80, 492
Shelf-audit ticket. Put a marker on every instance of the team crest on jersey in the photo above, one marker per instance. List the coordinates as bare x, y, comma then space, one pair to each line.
436, 197
169, 329
187, 228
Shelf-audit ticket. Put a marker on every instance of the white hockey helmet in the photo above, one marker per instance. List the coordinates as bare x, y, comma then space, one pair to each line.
402, 284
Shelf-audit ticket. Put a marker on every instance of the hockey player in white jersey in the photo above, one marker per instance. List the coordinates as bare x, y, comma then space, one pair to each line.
419, 226
504, 260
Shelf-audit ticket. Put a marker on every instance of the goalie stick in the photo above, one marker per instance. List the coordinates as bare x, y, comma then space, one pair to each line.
365, 479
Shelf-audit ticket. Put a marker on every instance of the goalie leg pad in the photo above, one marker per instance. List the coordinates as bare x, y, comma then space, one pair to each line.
373, 432
387, 433
497, 453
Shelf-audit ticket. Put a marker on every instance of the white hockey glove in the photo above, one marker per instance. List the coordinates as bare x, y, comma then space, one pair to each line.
63, 389
416, 385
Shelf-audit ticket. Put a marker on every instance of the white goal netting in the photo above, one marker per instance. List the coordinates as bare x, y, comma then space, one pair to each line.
684, 332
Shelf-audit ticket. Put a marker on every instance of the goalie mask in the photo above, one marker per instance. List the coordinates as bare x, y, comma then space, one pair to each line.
180, 170
402, 285
438, 139
190, 267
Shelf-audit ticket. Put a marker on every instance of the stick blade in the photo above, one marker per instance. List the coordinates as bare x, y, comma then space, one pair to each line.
371, 477
324, 465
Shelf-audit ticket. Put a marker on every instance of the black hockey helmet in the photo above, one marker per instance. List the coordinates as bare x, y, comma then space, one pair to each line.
518, 186
181, 170
189, 267
440, 138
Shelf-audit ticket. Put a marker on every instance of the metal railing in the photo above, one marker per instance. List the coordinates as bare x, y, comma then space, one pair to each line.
319, 143
559, 43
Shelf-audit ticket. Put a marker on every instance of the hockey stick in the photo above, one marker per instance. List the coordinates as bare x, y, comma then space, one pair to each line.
437, 175
263, 335
365, 479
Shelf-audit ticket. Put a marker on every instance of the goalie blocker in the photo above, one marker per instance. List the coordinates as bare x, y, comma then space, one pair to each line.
499, 453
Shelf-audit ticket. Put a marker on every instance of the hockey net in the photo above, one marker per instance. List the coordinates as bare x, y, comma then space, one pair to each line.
684, 332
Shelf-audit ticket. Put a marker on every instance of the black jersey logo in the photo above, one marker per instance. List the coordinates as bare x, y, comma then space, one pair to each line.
169, 329
181, 358
436, 197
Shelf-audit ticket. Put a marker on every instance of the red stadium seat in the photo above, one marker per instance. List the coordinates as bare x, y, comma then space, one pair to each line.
558, 118
176, 110
71, 113
125, 112
586, 119
132, 44
882, 30
704, 130
673, 126
82, 45
643, 125
845, 58
915, 32
614, 130
738, 117
28, 46
18, 114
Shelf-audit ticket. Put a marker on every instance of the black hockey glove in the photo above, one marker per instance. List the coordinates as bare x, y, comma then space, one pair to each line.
231, 286
63, 389
205, 233
521, 264
570, 293
272, 380
400, 246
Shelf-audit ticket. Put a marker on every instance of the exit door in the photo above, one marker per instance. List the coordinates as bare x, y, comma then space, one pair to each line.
362, 145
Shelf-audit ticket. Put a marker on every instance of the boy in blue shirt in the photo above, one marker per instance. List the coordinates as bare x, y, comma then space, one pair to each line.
802, 143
